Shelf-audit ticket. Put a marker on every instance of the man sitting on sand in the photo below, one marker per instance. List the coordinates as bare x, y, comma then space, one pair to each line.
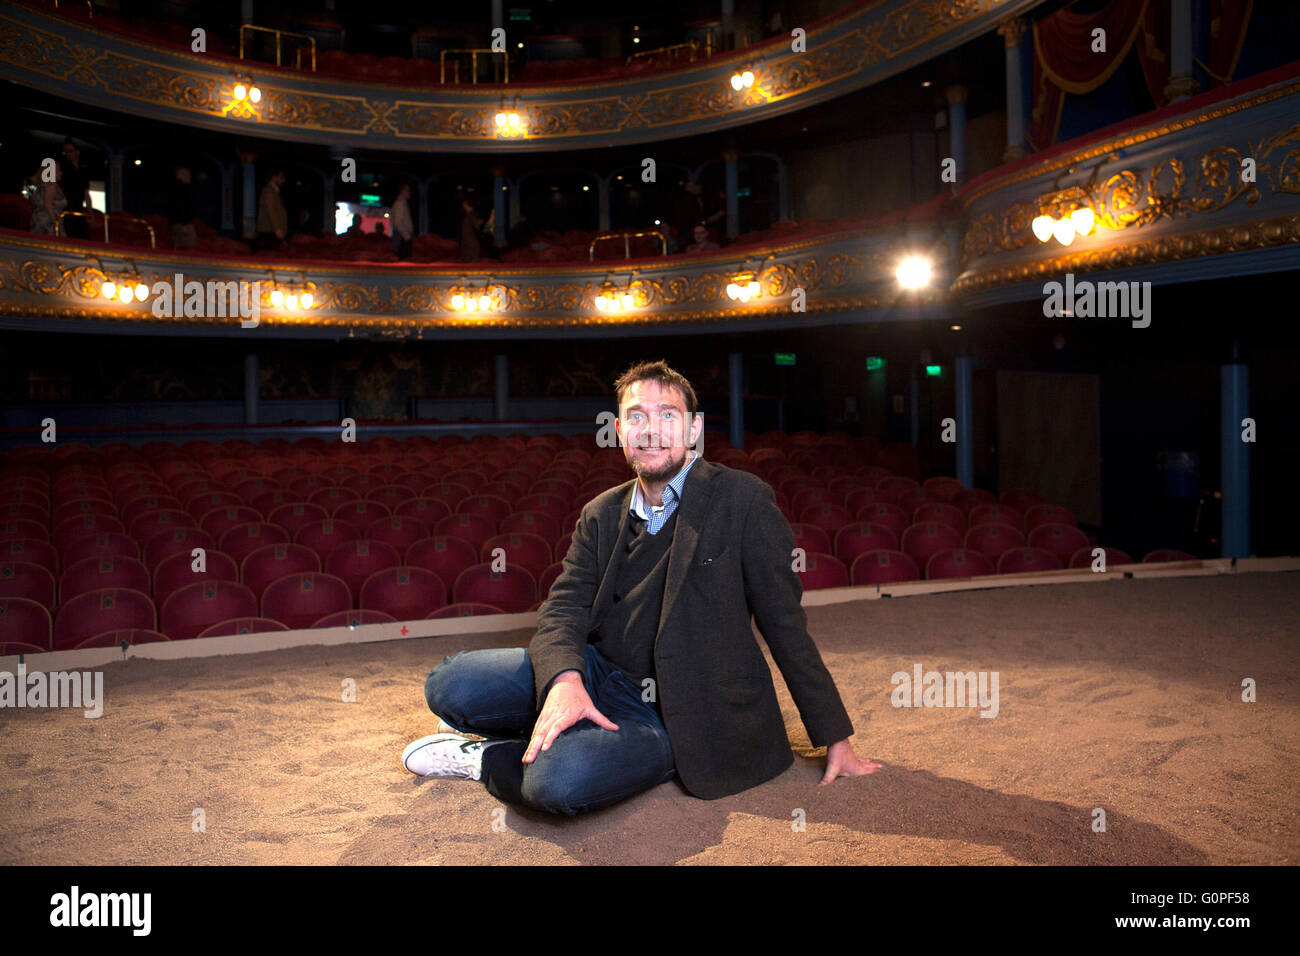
644, 664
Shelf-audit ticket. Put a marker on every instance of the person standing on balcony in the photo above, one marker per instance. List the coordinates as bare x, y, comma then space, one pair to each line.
470, 223
50, 203
180, 210
74, 189
403, 227
272, 216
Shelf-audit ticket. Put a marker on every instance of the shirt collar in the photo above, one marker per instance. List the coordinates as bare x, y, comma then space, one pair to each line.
674, 487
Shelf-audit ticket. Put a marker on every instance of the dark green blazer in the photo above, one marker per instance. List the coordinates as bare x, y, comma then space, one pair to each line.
730, 559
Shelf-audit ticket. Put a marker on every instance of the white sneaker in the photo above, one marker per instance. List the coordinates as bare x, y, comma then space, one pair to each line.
444, 755
446, 728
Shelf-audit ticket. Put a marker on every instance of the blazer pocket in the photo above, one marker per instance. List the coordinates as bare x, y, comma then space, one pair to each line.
741, 690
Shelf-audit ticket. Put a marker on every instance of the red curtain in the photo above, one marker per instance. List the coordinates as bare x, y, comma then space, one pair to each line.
1228, 22
1064, 61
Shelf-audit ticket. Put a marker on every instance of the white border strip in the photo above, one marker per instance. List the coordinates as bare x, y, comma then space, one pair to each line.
496, 623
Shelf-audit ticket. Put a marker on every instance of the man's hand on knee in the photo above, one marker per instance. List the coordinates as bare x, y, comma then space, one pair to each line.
567, 702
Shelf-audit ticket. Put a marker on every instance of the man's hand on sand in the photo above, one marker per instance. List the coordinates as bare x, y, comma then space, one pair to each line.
841, 761
566, 703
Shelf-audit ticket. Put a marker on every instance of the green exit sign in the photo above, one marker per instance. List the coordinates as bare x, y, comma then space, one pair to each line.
934, 371
875, 363
370, 199
784, 358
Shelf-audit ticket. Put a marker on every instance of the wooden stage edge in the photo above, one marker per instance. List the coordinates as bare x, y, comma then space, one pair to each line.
371, 633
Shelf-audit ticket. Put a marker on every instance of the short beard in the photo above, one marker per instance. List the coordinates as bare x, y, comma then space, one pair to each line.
669, 469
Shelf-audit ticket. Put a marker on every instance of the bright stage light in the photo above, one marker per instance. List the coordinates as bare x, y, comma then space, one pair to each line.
913, 272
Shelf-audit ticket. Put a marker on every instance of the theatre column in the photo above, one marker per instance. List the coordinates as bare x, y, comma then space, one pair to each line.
1011, 32
957, 129
736, 399
1234, 403
252, 388
502, 383
731, 157
964, 413
1182, 82
115, 163
499, 226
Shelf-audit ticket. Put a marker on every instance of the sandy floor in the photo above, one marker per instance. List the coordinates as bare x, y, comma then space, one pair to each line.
1123, 696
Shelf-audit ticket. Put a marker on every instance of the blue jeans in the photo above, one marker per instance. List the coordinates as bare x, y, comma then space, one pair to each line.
490, 692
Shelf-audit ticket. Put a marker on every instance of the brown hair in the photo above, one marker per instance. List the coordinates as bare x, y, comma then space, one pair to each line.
661, 373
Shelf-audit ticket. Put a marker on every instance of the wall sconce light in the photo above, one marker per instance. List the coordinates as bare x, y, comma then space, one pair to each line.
127, 287
1067, 213
467, 298
611, 298
742, 80
244, 98
508, 120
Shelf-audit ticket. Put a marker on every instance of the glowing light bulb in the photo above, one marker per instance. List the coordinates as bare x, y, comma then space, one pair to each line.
1042, 228
1083, 220
747, 78
913, 272
513, 119
291, 301
255, 94
501, 119
124, 293
737, 83
733, 290
141, 292
753, 289
626, 300
277, 298
241, 91
602, 303
471, 304
109, 289
307, 299
1063, 230
458, 302
484, 303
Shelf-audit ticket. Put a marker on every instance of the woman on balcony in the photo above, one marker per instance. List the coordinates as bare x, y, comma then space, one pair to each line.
50, 203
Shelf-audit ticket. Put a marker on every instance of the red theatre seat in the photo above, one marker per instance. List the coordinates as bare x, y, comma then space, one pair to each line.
823, 571
513, 590
354, 618
1060, 539
110, 571
24, 626
472, 528
192, 609
426, 510
943, 513
177, 541
243, 625
1024, 560
31, 551
958, 563
994, 540
295, 516
444, 556
884, 567
860, 537
407, 593
95, 612
398, 531
921, 542
301, 600
31, 581
324, 536
1083, 557
177, 571
523, 550
242, 540
539, 523
1048, 514
268, 564
357, 560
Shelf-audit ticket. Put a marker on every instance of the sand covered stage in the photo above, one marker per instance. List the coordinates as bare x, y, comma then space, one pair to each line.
1123, 695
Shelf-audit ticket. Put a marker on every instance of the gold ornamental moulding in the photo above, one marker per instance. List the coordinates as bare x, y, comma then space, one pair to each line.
1140, 197
1126, 140
841, 49
1238, 237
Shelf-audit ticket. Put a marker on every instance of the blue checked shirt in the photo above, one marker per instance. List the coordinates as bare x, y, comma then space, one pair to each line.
672, 496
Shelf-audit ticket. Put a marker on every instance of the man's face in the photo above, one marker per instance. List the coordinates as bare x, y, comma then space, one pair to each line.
653, 430
701, 234
71, 153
